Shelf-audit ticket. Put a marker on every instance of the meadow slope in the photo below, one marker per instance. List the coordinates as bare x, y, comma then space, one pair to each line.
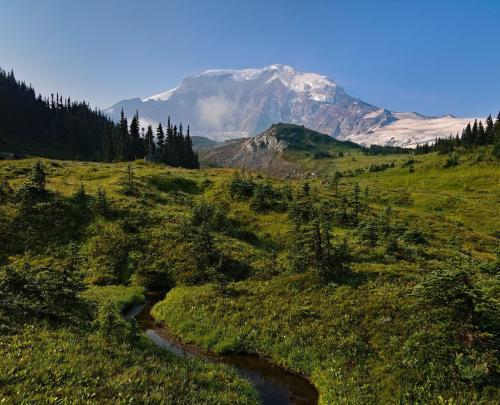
399, 304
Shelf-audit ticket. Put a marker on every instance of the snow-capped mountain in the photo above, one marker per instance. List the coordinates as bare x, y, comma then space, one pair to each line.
225, 104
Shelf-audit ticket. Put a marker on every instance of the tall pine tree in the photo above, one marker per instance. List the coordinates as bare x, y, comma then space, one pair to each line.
150, 142
488, 133
481, 135
135, 138
123, 144
160, 139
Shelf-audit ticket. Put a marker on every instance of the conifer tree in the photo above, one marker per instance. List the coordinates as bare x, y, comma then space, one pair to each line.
160, 138
336, 179
196, 161
38, 177
175, 146
306, 188
136, 146
343, 217
356, 202
123, 147
474, 133
150, 143
129, 181
488, 133
368, 231
467, 137
169, 145
101, 202
108, 148
481, 136
80, 196
496, 137
209, 260
496, 128
472, 136
366, 199
180, 147
192, 156
176, 149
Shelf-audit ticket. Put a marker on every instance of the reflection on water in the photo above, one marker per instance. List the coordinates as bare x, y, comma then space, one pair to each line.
276, 385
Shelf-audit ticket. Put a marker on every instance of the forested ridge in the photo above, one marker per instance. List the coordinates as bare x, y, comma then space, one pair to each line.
59, 127
53, 126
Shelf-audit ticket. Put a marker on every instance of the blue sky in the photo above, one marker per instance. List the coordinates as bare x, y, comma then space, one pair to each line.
433, 57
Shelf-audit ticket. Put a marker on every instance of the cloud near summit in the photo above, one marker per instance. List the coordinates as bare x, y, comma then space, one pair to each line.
215, 111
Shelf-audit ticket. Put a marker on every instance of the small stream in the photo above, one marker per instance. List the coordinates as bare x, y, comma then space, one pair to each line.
276, 385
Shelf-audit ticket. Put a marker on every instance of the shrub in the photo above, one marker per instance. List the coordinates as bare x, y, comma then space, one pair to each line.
31, 289
106, 254
413, 235
451, 299
451, 161
368, 232
111, 325
452, 288
241, 187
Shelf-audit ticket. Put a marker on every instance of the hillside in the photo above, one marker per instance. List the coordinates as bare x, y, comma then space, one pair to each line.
200, 142
184, 220
229, 103
58, 127
401, 305
53, 127
270, 151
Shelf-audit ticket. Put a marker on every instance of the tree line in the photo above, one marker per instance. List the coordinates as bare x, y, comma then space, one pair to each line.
169, 146
55, 126
472, 136
59, 127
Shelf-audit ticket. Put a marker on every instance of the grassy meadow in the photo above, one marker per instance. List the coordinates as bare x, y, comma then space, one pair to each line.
386, 293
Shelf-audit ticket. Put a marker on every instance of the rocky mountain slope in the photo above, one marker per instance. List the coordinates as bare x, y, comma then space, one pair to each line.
267, 151
228, 104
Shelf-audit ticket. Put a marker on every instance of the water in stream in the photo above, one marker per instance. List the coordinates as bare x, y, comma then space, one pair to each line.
276, 385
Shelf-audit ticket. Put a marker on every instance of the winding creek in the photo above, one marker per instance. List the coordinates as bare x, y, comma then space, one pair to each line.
276, 385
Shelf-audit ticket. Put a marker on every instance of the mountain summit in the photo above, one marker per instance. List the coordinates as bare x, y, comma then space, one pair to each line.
226, 104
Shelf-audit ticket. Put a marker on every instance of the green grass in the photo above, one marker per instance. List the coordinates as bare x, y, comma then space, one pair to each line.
361, 340
363, 343
45, 364
459, 202
40, 365
118, 295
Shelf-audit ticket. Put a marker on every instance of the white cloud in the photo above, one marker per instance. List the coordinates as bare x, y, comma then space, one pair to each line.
215, 111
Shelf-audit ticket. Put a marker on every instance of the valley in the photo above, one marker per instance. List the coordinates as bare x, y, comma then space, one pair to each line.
184, 221
237, 252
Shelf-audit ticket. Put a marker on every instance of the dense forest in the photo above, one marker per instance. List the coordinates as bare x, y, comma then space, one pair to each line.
54, 126
472, 137
63, 128
170, 147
